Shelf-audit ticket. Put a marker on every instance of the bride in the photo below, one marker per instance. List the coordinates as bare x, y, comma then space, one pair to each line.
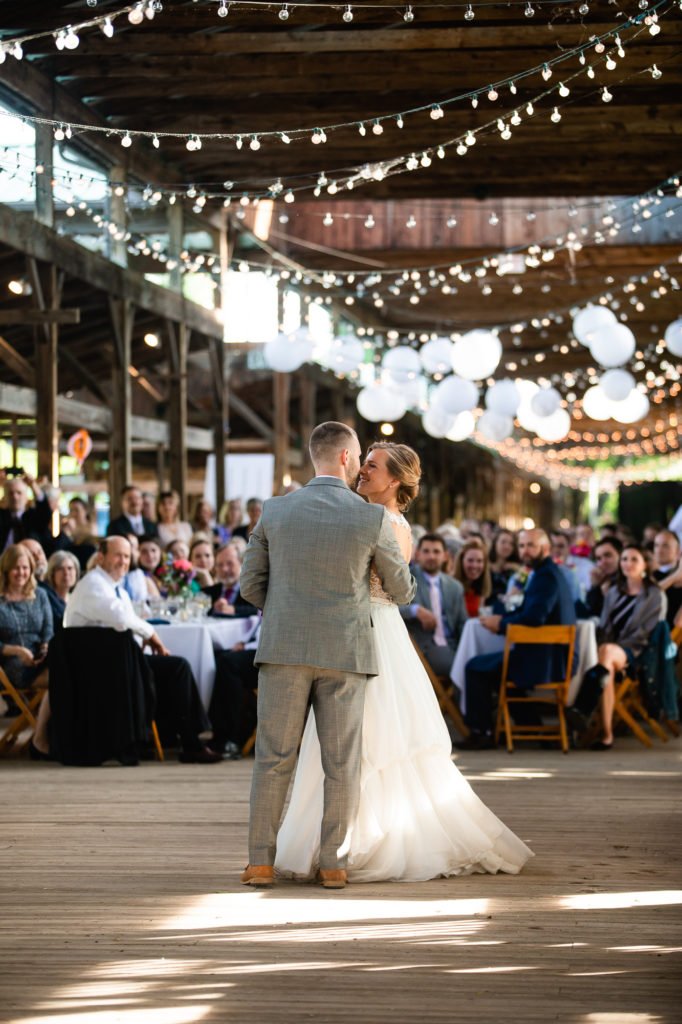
418, 818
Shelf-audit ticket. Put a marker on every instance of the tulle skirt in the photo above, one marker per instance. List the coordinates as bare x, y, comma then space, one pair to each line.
418, 818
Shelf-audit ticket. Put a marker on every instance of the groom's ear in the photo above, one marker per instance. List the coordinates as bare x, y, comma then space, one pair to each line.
344, 456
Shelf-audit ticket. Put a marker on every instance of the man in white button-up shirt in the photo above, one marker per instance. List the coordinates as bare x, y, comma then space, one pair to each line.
99, 599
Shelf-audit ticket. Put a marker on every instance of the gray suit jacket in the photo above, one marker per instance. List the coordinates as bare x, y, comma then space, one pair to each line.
454, 609
307, 566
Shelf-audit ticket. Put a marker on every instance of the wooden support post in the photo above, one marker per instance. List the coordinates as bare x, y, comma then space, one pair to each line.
117, 249
308, 410
178, 348
161, 468
281, 384
120, 448
176, 243
47, 437
220, 367
44, 144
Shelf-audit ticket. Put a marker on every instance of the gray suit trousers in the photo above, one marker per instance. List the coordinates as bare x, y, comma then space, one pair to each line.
338, 699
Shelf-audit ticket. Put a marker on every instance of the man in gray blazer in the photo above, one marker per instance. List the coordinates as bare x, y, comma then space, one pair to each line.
436, 617
307, 566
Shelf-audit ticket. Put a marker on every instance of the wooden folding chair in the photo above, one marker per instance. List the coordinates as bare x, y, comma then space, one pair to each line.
28, 702
441, 686
552, 693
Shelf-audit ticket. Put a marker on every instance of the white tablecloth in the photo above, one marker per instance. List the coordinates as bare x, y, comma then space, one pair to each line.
476, 639
197, 641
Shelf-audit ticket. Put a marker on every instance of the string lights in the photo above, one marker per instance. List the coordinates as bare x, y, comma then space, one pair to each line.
435, 109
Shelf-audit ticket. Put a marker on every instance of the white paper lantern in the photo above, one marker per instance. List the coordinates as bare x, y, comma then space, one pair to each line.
673, 337
346, 355
554, 427
476, 355
589, 320
495, 427
463, 427
376, 404
525, 415
436, 355
455, 395
545, 402
503, 398
287, 353
402, 363
413, 391
617, 384
634, 407
436, 422
612, 345
596, 403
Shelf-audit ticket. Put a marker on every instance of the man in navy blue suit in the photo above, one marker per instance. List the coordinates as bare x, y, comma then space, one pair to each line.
547, 602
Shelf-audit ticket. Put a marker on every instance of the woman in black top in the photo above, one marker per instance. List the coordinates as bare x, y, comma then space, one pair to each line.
632, 608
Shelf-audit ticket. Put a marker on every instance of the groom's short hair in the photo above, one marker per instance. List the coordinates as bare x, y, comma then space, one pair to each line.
328, 439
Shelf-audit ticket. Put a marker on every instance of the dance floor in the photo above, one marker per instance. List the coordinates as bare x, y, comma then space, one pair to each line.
121, 904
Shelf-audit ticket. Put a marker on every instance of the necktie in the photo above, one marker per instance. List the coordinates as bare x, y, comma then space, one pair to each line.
118, 591
437, 609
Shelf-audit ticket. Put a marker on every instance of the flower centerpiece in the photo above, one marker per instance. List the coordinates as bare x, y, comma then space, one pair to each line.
176, 578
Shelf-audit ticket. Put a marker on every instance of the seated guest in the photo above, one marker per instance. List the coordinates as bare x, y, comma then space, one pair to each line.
225, 594
603, 576
149, 558
254, 508
39, 559
77, 534
63, 572
99, 599
149, 506
469, 528
632, 609
576, 570
547, 602
471, 569
668, 571
436, 618
203, 520
233, 704
25, 618
583, 542
179, 549
169, 525
203, 559
131, 519
503, 560
18, 519
231, 516
649, 534
137, 583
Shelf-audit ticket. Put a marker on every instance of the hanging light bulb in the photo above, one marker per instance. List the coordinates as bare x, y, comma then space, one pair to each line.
188, 145
285, 138
474, 101
515, 119
590, 72
59, 133
546, 72
469, 13
377, 128
654, 28
348, 14
530, 110
492, 94
17, 51
71, 40
409, 14
470, 138
155, 142
239, 142
223, 10
529, 11
436, 112
584, 9
555, 116
136, 16
362, 130
107, 27
512, 88
126, 141
564, 91
283, 12
399, 121
606, 95
369, 221
59, 40
255, 143
610, 64
327, 220
655, 72
289, 197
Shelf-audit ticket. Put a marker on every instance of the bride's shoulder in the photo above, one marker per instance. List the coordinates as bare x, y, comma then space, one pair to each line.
397, 519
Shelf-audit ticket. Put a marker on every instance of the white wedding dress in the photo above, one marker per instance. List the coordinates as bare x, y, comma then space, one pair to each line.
418, 817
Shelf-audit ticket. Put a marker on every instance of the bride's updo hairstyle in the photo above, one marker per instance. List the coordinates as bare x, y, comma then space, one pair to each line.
402, 463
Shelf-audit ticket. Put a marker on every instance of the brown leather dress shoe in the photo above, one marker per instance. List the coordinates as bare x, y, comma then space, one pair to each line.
261, 876
333, 878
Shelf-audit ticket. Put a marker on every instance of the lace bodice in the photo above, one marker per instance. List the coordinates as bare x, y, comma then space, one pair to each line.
377, 594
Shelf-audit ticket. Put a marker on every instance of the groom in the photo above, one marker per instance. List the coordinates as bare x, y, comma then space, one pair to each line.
307, 566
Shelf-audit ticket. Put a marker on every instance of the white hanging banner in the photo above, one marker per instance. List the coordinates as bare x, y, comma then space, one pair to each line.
246, 476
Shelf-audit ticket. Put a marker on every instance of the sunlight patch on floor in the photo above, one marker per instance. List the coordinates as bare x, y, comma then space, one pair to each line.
489, 970
136, 1015
622, 900
621, 1018
256, 910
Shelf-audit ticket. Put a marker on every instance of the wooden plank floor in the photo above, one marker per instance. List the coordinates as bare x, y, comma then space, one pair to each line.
121, 904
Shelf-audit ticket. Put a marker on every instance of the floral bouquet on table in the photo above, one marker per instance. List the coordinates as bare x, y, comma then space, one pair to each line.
176, 578
513, 598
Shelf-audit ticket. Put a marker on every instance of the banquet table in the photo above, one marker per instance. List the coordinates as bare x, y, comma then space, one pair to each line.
197, 642
476, 639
